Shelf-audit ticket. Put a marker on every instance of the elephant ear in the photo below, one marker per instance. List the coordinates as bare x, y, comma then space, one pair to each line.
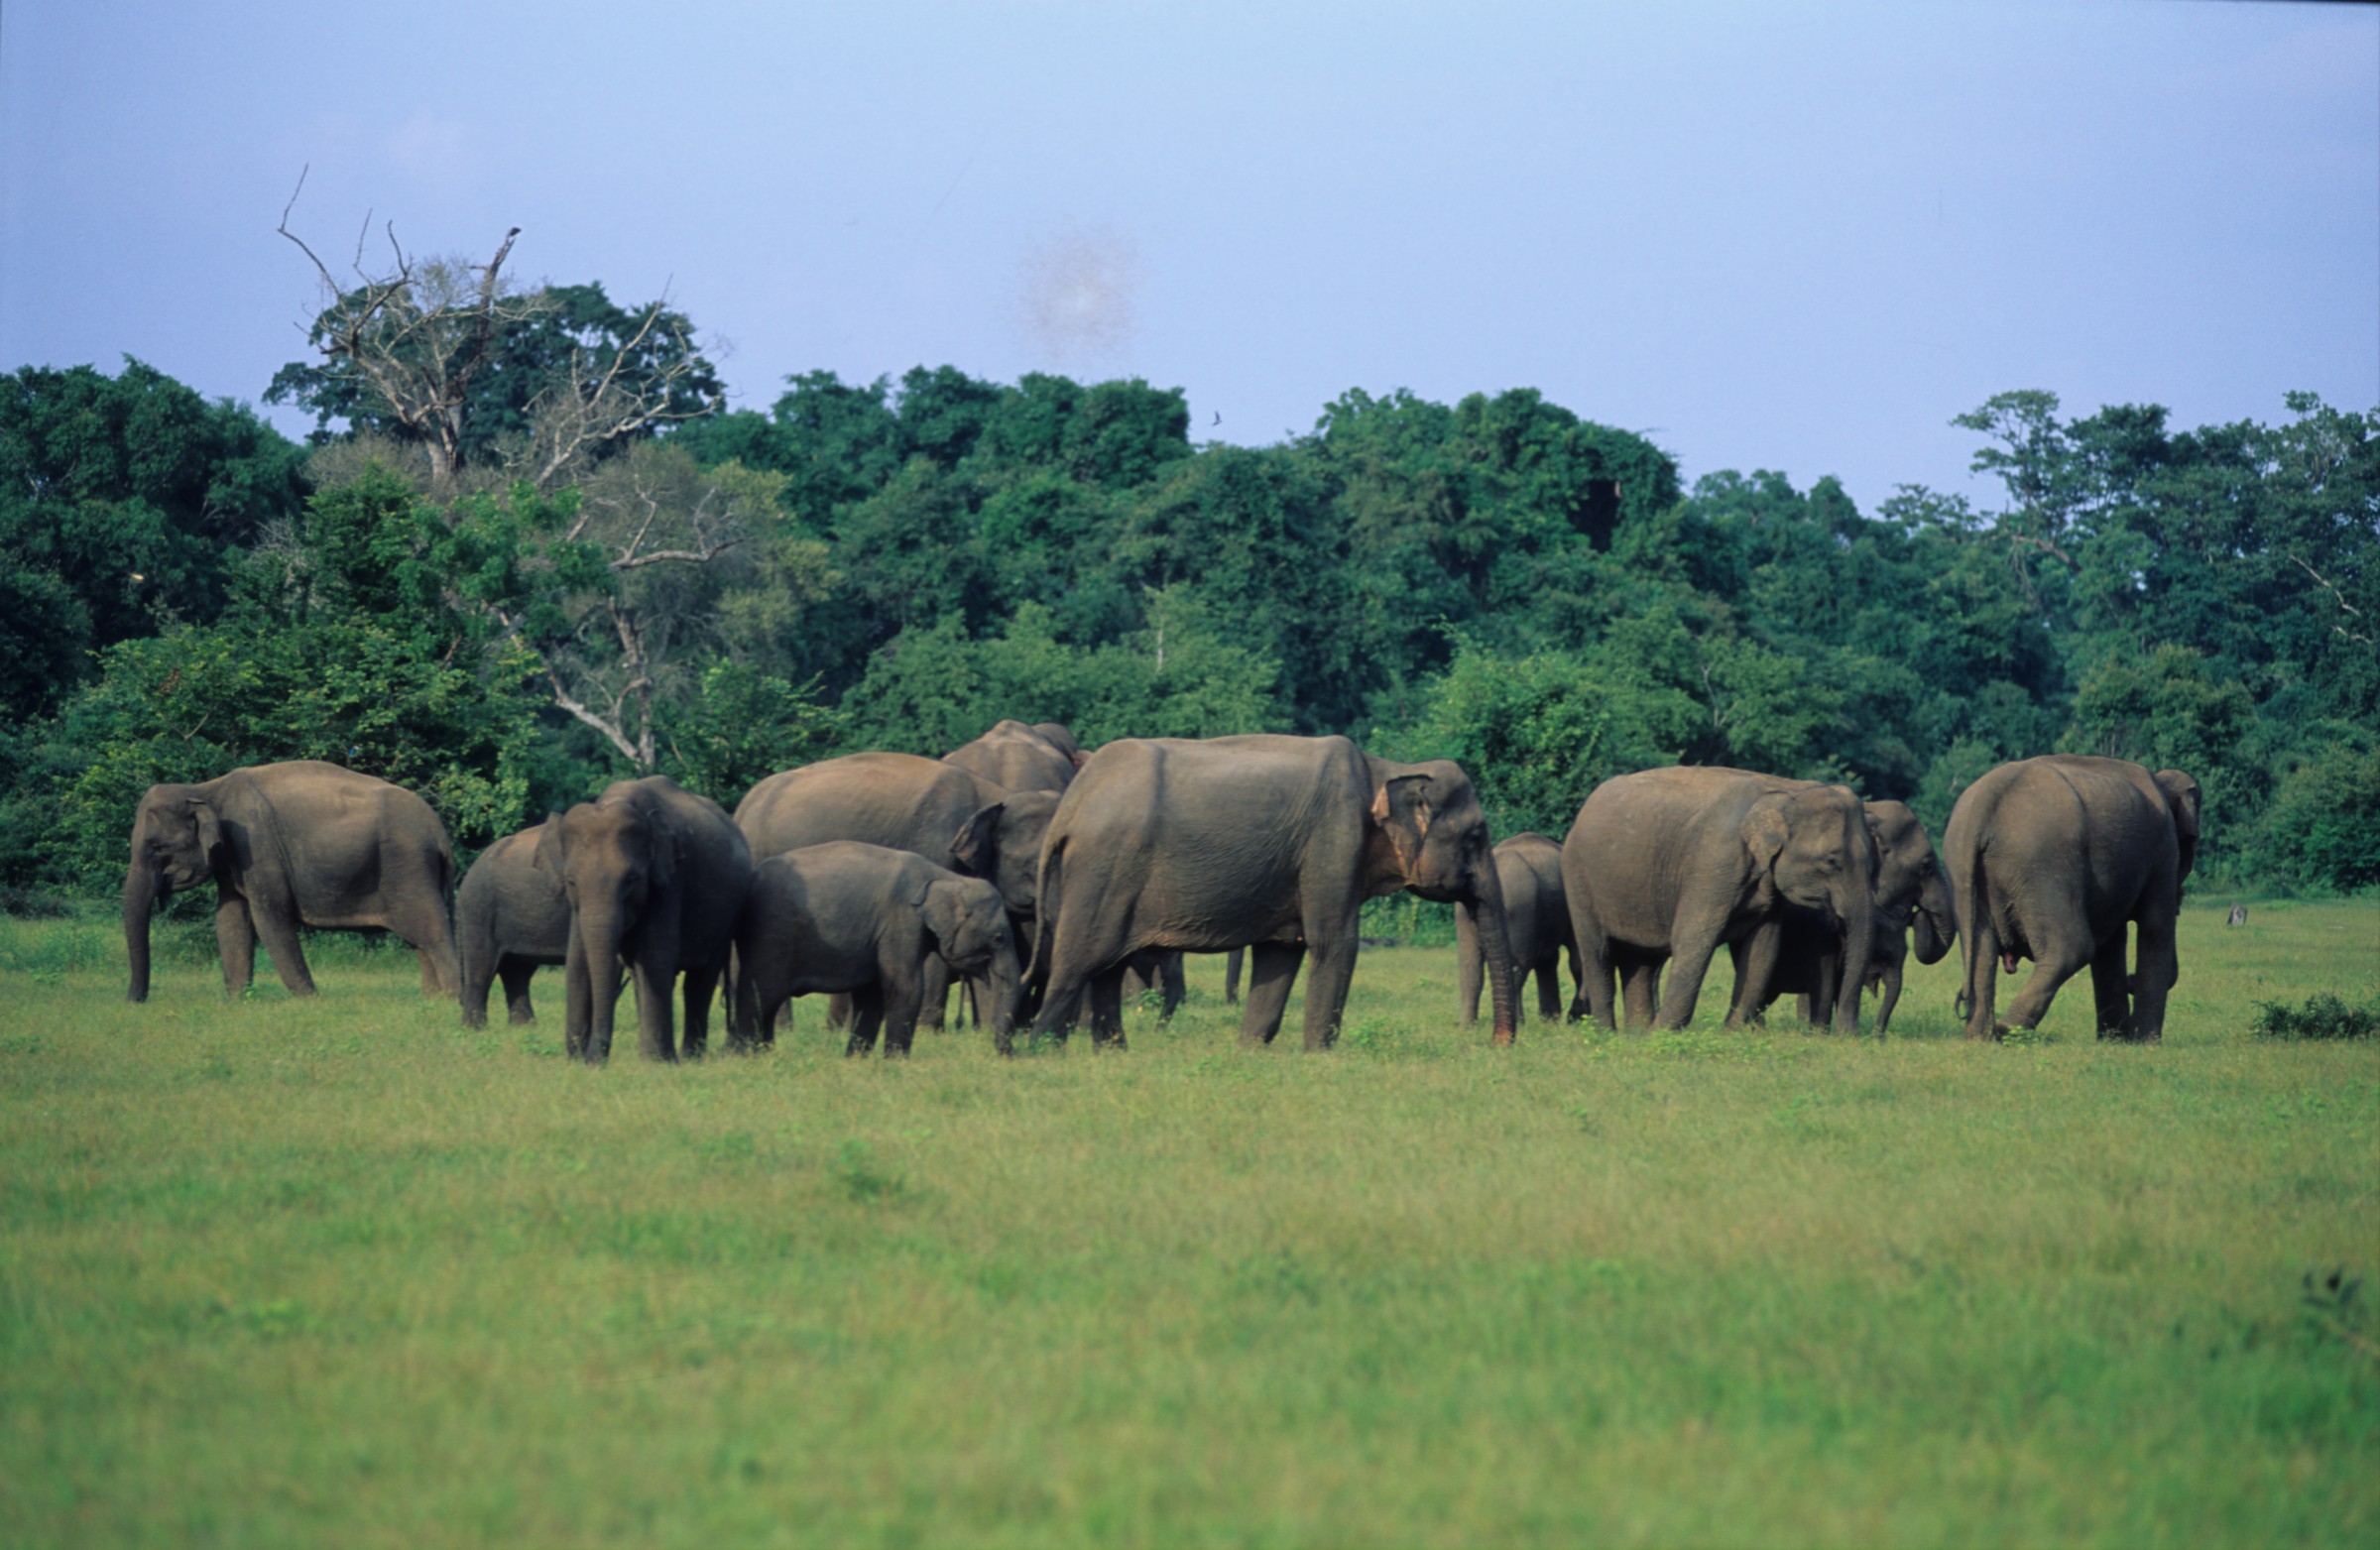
1402, 808
669, 850
550, 847
1765, 830
210, 833
2182, 795
943, 903
976, 847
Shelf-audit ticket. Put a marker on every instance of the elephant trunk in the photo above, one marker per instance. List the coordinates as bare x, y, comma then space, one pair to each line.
1005, 987
1936, 921
1858, 916
1496, 948
141, 889
599, 932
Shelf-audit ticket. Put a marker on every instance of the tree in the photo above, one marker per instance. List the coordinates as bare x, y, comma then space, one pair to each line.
457, 358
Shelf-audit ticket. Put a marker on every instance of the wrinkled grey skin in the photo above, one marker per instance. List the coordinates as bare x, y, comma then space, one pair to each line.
1911, 892
1529, 867
1055, 733
291, 845
655, 876
864, 920
951, 816
509, 919
1667, 866
2051, 858
1272, 843
1019, 758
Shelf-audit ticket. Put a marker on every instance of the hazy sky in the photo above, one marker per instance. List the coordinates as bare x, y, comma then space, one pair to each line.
1791, 237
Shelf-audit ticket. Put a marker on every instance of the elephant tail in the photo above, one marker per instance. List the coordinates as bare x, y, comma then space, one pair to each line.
1046, 892
1978, 941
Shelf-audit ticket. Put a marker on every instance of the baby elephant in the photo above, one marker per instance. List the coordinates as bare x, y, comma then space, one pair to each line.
845, 917
509, 919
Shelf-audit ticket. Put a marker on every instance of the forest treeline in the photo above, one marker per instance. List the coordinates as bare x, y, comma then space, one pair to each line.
579, 564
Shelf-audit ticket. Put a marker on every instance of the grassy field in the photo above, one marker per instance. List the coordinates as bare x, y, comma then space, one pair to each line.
344, 1273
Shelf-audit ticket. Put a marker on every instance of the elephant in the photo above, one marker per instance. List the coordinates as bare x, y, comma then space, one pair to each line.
1669, 865
1266, 842
1019, 758
291, 845
953, 818
1911, 892
2051, 858
655, 876
1528, 868
510, 916
864, 920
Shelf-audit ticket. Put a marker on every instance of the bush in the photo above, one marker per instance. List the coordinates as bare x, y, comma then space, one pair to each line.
2321, 1016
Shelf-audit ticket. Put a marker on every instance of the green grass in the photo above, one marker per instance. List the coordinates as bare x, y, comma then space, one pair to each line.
344, 1273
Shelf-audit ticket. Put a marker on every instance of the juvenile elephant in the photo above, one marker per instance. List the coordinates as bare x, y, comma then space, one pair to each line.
2051, 858
1528, 868
864, 920
1910, 891
953, 818
291, 845
1272, 843
1019, 758
1670, 865
510, 916
655, 876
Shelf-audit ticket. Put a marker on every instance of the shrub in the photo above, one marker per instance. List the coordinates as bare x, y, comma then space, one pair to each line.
2321, 1016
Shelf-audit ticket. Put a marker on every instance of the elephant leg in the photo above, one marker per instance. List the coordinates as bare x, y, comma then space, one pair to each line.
1691, 948
1272, 970
1755, 959
838, 1010
933, 1004
1640, 986
1982, 978
280, 933
867, 1018
1231, 975
1330, 972
656, 977
2111, 997
516, 973
902, 1000
1549, 992
2051, 968
2160, 969
1106, 1009
1469, 968
235, 943
1889, 995
1595, 965
1175, 969
700, 985
429, 973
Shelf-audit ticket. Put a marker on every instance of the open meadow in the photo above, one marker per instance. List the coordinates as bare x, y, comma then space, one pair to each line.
342, 1272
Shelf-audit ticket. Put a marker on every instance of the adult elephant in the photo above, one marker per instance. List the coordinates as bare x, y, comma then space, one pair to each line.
510, 918
1528, 868
1911, 894
864, 920
1270, 843
292, 845
953, 818
1019, 758
655, 876
1667, 866
2051, 858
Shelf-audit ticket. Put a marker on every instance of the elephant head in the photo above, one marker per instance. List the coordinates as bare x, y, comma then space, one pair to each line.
1911, 889
1429, 836
1811, 846
2182, 800
611, 859
178, 842
969, 924
1001, 844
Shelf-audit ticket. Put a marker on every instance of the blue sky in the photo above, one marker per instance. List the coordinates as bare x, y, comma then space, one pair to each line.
1790, 236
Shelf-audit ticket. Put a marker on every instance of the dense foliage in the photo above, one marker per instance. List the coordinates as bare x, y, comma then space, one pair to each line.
897, 564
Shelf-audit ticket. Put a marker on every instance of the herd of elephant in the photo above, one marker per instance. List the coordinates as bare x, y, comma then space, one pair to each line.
1044, 877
